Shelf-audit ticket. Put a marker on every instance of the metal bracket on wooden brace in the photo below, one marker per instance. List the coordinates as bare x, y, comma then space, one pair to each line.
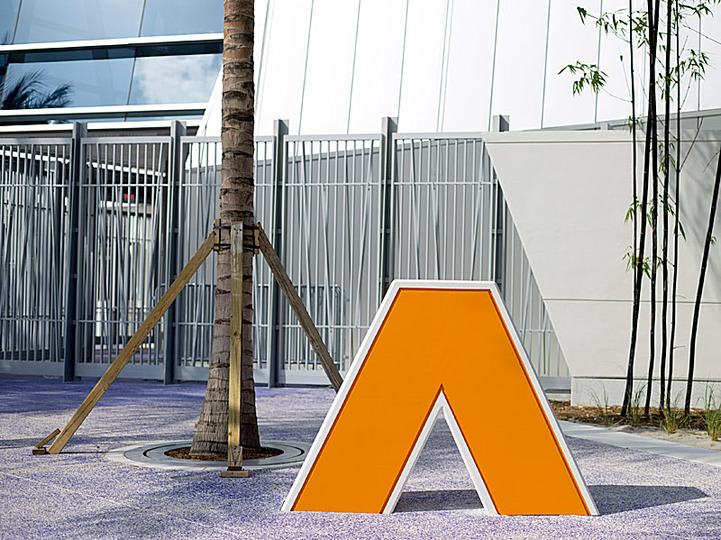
255, 246
235, 464
218, 245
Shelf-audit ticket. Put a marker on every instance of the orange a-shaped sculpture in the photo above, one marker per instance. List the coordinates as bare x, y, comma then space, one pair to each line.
441, 346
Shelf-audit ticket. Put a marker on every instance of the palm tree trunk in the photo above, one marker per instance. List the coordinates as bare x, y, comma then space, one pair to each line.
236, 205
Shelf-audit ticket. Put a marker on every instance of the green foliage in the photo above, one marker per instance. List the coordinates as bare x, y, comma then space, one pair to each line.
601, 404
633, 209
631, 121
635, 410
697, 9
589, 76
614, 22
671, 417
692, 62
712, 415
632, 261
583, 13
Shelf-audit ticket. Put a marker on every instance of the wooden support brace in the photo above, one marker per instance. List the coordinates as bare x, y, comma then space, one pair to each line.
39, 449
286, 285
133, 344
235, 451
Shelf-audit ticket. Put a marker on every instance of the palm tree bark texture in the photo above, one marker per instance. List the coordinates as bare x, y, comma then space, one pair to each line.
236, 205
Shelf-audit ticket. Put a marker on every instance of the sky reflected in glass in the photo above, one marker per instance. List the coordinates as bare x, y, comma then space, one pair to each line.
8, 18
53, 20
174, 79
188, 17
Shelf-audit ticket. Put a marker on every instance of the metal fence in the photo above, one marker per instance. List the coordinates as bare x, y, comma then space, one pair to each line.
95, 229
34, 182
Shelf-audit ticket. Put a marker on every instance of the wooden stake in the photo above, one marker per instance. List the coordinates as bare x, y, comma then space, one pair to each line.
286, 285
235, 455
39, 449
235, 451
135, 342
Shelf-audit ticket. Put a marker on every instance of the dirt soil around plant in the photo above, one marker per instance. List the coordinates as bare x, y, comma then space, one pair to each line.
611, 416
248, 453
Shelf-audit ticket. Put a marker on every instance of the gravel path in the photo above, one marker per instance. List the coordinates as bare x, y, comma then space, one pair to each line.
80, 494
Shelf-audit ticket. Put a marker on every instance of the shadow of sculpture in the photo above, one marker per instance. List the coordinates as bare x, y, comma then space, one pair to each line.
611, 499
442, 499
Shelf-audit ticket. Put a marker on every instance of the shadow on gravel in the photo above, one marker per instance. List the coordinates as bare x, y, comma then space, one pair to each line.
442, 499
611, 499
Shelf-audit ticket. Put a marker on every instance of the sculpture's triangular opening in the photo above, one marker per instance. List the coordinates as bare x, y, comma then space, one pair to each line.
441, 346
442, 411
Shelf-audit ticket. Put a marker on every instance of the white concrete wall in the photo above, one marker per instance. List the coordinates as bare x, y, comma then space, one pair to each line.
568, 193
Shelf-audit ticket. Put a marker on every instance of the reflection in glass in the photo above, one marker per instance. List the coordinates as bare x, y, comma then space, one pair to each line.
28, 91
92, 83
174, 79
8, 18
42, 21
171, 17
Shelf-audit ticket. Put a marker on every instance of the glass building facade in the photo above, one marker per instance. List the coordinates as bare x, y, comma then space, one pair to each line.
83, 56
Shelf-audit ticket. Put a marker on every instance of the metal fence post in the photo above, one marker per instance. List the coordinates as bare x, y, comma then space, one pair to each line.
175, 163
389, 126
499, 123
80, 130
275, 315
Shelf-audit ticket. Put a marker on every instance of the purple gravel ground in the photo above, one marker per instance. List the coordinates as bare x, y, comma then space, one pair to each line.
80, 494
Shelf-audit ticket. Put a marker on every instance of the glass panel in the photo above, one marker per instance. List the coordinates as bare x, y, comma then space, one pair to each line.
91, 82
8, 18
188, 17
182, 118
174, 79
50, 20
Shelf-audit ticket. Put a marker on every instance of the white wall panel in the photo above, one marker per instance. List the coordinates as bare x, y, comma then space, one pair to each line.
570, 219
614, 101
330, 65
711, 85
284, 65
569, 41
422, 65
448, 62
520, 54
469, 66
690, 39
378, 64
